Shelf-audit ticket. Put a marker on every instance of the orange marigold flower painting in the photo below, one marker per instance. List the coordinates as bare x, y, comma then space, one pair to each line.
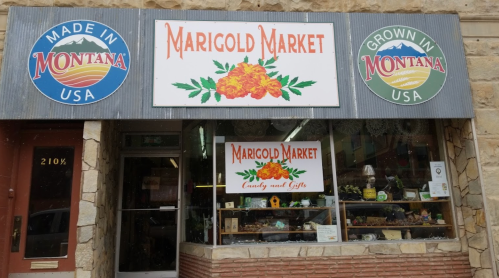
248, 79
243, 80
247, 69
231, 87
272, 170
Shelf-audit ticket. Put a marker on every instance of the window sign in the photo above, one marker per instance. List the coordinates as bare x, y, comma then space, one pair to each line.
206, 63
265, 167
438, 171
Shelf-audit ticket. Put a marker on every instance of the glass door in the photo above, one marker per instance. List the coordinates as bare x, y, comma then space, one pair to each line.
148, 217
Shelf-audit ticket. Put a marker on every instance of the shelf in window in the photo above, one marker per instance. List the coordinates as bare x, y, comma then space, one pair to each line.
394, 202
270, 208
271, 232
408, 226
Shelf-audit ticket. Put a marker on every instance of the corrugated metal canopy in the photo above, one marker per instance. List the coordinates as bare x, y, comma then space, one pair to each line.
21, 100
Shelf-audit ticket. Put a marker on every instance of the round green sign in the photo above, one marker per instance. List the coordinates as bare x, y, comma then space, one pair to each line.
402, 65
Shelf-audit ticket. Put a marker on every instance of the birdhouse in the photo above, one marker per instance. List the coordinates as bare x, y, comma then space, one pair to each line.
274, 201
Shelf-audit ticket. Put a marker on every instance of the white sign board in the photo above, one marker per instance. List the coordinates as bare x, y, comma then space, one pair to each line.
438, 171
327, 233
439, 189
270, 167
207, 63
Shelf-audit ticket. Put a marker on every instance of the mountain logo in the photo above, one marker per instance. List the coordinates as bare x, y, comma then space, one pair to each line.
79, 62
402, 65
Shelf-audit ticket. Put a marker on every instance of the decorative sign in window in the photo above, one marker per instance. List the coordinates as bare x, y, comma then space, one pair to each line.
206, 63
265, 167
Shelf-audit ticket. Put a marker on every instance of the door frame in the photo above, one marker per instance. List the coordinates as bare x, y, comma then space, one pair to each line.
152, 274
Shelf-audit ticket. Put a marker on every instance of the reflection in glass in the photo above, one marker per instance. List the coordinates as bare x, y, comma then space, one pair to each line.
148, 239
49, 202
197, 199
150, 182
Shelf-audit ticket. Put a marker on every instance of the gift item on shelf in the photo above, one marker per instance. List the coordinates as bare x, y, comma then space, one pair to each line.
321, 200
305, 202
266, 225
329, 201
368, 217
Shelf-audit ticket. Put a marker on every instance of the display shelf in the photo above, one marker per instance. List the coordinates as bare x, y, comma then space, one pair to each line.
405, 226
270, 232
292, 208
357, 208
298, 216
395, 202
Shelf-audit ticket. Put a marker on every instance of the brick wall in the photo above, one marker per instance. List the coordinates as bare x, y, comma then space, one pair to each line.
407, 265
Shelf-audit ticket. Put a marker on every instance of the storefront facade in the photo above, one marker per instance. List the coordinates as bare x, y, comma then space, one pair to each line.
189, 143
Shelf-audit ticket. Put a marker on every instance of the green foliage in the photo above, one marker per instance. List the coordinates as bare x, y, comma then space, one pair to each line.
400, 184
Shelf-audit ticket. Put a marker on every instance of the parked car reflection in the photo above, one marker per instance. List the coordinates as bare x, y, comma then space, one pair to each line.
47, 234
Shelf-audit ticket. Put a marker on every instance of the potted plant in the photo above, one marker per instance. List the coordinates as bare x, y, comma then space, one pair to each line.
349, 192
398, 190
399, 213
388, 213
354, 192
321, 200
305, 202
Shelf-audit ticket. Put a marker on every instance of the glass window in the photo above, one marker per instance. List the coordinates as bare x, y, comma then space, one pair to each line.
197, 174
383, 173
49, 202
278, 188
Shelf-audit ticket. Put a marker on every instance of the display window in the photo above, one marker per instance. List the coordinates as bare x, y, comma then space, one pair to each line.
391, 180
276, 176
302, 181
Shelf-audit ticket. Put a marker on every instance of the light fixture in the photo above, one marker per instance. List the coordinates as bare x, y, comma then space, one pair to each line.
296, 130
202, 142
174, 163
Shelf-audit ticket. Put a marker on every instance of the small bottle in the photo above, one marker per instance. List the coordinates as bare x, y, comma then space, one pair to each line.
408, 234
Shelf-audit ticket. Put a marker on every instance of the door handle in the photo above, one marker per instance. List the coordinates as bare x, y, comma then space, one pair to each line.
16, 234
167, 208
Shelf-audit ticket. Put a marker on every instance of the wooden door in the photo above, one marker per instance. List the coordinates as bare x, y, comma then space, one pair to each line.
47, 187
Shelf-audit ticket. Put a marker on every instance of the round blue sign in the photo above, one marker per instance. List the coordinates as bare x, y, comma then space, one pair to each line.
79, 62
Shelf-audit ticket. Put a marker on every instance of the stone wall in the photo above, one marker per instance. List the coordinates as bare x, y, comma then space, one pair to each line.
468, 195
98, 203
482, 52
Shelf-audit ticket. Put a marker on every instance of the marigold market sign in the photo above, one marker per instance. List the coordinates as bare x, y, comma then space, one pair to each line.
269, 167
402, 65
205, 63
79, 62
